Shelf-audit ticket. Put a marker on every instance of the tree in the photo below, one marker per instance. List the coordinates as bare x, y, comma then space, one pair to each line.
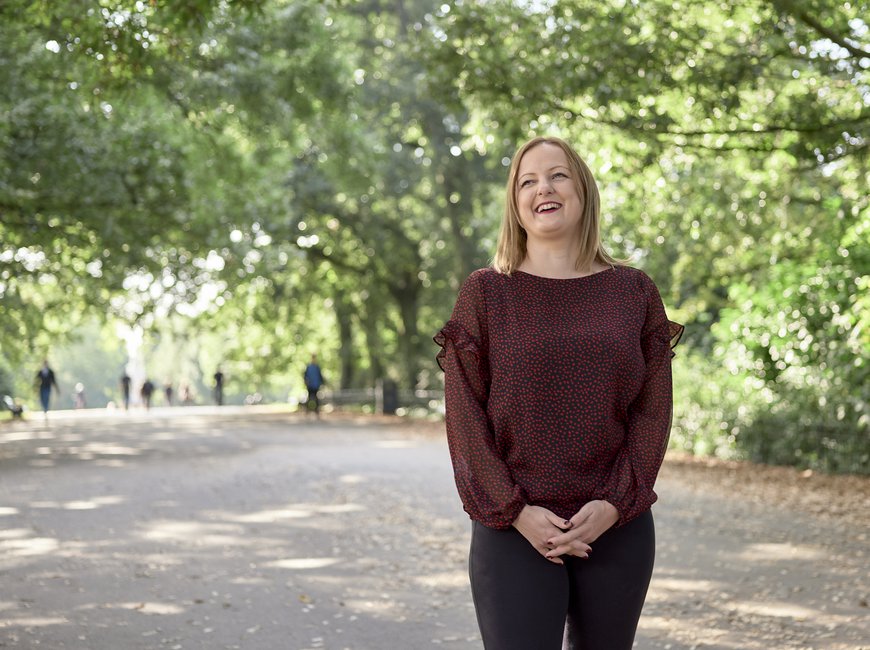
730, 141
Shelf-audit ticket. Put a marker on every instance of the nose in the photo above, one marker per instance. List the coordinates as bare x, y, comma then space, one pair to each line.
545, 186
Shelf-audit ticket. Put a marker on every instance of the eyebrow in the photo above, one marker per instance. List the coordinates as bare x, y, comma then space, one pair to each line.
549, 170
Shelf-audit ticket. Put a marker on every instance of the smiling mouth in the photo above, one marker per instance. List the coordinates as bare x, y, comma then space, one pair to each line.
546, 208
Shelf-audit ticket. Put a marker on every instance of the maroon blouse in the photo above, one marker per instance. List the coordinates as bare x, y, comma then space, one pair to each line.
558, 392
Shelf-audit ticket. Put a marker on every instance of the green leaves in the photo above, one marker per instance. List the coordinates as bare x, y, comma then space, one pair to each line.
297, 175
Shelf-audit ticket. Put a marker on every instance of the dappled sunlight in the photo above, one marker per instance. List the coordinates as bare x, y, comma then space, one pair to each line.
339, 508
445, 579
34, 621
166, 435
80, 504
295, 511
352, 479
197, 533
25, 547
383, 606
15, 533
248, 580
6, 511
775, 609
303, 563
21, 436
269, 516
108, 449
779, 552
665, 624
396, 444
112, 439
151, 608
684, 584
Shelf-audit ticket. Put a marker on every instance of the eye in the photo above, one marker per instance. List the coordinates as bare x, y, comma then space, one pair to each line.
560, 175
526, 182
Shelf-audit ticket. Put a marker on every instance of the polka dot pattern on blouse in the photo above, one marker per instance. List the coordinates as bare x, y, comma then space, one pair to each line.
558, 392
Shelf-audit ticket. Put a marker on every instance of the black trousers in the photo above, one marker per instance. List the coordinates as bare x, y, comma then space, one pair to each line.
525, 602
313, 400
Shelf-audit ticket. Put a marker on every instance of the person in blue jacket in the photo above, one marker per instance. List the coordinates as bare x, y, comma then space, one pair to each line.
314, 381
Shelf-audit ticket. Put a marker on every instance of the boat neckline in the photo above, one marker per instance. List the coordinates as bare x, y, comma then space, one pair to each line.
581, 277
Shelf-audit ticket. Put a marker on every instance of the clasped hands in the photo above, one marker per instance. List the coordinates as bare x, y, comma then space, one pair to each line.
553, 536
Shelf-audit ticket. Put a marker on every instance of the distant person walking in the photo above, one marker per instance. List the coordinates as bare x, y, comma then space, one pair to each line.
45, 380
219, 387
125, 390
168, 391
79, 400
186, 394
314, 381
146, 392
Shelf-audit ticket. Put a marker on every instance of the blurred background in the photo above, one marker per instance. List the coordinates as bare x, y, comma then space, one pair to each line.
187, 185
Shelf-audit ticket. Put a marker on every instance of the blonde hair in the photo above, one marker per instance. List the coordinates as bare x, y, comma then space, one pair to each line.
511, 250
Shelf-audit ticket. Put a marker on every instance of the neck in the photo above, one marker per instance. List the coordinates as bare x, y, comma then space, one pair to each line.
552, 260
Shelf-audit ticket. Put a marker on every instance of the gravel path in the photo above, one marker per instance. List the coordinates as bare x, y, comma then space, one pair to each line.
243, 528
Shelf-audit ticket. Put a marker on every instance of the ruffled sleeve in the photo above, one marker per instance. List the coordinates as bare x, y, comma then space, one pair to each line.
629, 486
675, 333
488, 492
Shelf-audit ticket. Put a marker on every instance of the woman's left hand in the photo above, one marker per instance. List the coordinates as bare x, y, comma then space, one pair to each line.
588, 525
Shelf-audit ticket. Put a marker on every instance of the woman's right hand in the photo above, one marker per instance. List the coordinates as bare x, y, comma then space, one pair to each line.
538, 525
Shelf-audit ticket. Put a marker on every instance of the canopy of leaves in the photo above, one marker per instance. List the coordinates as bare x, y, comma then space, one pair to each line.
292, 176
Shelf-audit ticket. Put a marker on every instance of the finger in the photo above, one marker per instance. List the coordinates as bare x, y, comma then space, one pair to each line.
580, 518
558, 522
582, 551
559, 551
551, 556
575, 535
572, 545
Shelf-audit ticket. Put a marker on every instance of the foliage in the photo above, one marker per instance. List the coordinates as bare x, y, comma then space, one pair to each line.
730, 142
253, 181
800, 339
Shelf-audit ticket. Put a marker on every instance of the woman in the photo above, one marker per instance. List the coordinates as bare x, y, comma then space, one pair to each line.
558, 393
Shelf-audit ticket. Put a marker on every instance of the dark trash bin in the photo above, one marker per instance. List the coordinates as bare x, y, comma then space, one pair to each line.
391, 397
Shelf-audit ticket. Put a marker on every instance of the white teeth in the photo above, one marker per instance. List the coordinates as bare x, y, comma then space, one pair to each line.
548, 206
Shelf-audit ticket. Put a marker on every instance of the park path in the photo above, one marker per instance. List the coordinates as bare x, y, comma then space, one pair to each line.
200, 529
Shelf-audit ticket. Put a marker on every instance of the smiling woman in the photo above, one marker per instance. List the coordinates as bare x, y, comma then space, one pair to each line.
551, 214
558, 410
547, 197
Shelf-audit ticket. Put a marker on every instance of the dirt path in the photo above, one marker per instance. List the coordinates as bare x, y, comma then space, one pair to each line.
765, 557
245, 529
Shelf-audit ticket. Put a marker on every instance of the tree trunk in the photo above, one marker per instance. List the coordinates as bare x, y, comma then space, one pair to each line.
407, 296
344, 314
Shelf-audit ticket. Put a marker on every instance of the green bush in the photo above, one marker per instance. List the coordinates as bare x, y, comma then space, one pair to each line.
787, 380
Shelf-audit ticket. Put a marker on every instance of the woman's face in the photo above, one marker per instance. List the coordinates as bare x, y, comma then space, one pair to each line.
549, 206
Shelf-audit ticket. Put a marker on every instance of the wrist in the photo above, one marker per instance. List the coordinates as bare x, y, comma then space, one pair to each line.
611, 510
520, 515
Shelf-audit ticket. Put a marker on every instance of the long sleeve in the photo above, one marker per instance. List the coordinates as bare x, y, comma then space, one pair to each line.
629, 486
486, 487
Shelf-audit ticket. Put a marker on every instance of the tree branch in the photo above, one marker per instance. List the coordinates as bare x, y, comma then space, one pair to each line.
770, 128
789, 7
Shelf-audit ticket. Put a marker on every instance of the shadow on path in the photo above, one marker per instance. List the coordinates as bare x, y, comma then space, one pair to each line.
265, 531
